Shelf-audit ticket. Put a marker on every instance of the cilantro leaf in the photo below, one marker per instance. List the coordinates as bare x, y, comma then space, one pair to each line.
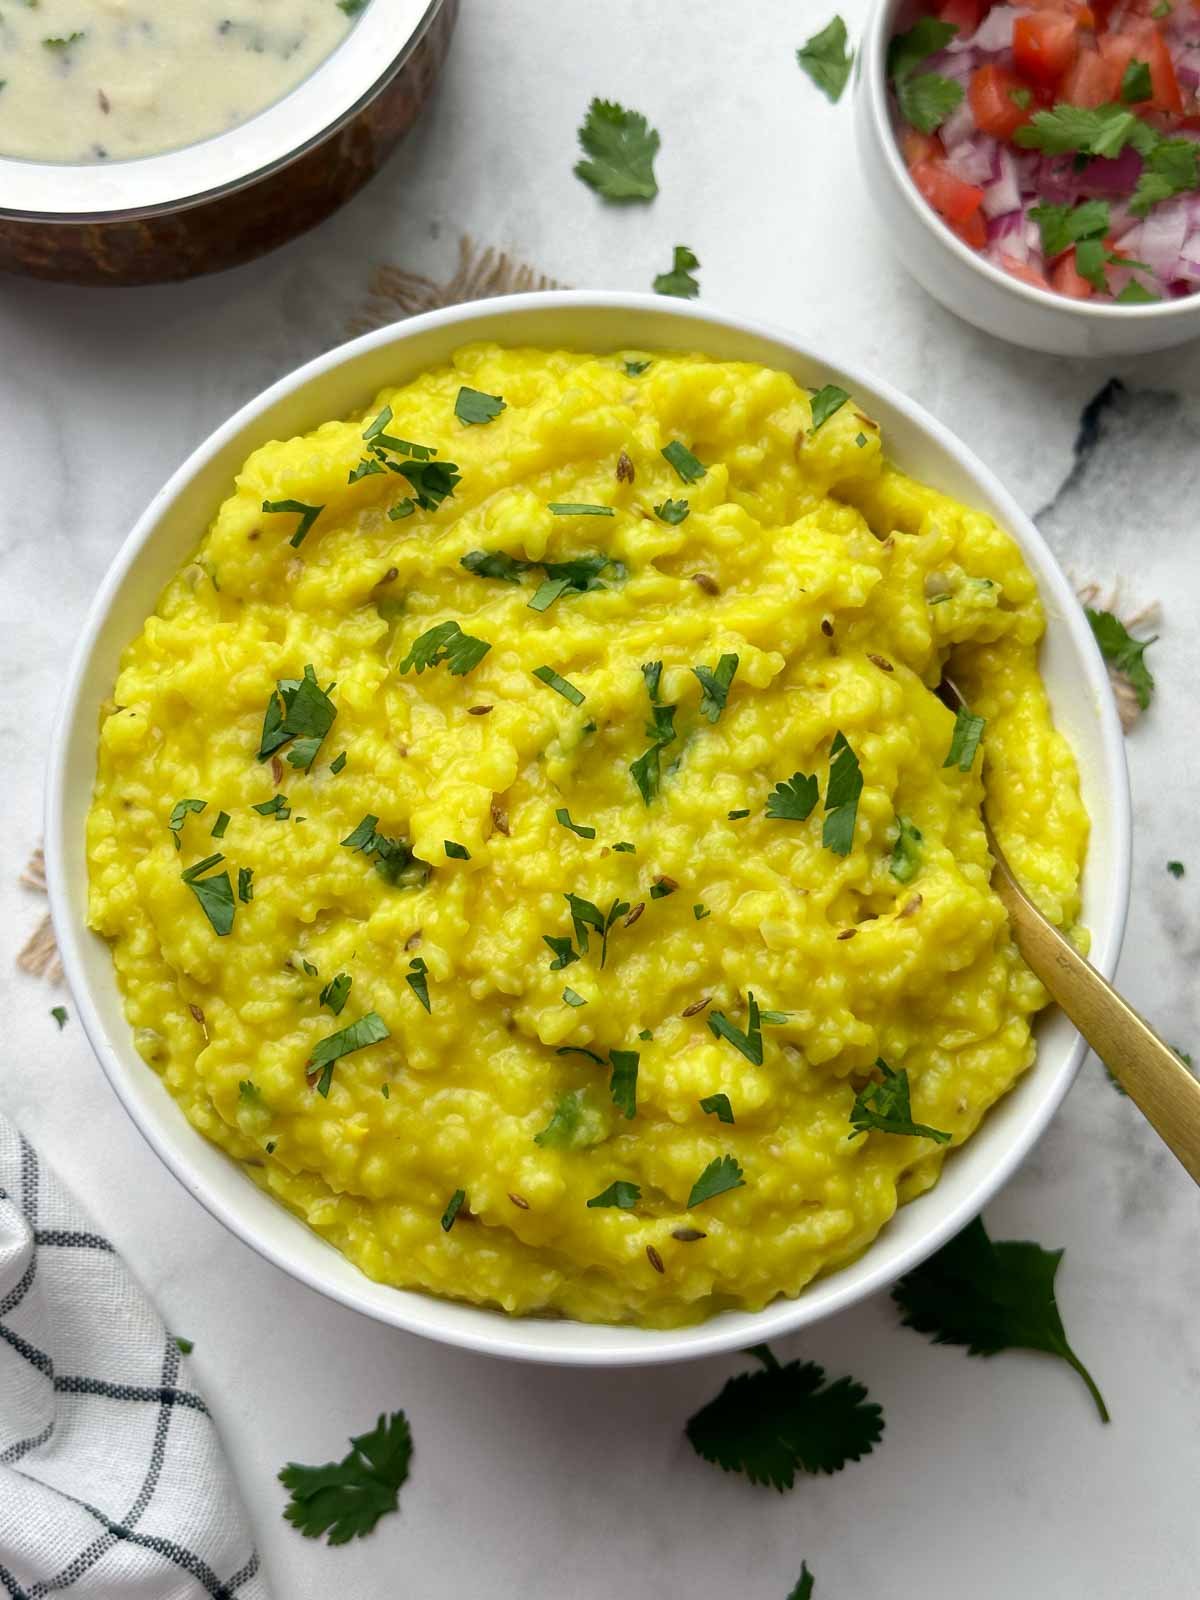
825, 402
715, 684
884, 1107
560, 685
179, 815
841, 796
622, 147
1170, 168
217, 831
453, 1206
563, 816
623, 1084
990, 1296
1063, 226
717, 1105
578, 508
276, 807
1135, 82
336, 992
308, 515
690, 470
826, 59
749, 1043
1136, 294
245, 884
431, 481
445, 641
672, 512
214, 893
585, 915
417, 978
495, 564
369, 1029
906, 852
563, 950
924, 39
793, 799
456, 851
927, 99
1091, 130
679, 281
473, 406
571, 997
804, 1585
634, 369
59, 1013
298, 709
575, 1123
964, 741
1176, 868
1091, 259
783, 1420
345, 1499
548, 592
719, 1177
1122, 651
621, 1194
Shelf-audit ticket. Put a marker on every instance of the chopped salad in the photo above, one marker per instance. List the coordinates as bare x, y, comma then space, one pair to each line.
1060, 139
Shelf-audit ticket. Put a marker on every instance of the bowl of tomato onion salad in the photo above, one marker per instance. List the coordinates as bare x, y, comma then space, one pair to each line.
1038, 165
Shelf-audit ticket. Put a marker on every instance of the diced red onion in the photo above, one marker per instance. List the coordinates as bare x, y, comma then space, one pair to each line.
995, 32
1116, 177
971, 161
1161, 238
1003, 194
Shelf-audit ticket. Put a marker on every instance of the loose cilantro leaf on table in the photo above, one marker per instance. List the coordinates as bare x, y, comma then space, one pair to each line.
804, 1585
964, 741
783, 1420
308, 515
841, 796
1175, 868
750, 1042
369, 1029
990, 1296
717, 1105
885, 1107
345, 1499
679, 280
719, 1177
445, 642
215, 894
59, 1013
826, 59
715, 683
825, 402
793, 799
621, 147
473, 407
906, 852
1122, 651
689, 469
620, 1194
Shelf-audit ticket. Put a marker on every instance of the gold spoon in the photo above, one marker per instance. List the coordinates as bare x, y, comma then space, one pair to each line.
1149, 1071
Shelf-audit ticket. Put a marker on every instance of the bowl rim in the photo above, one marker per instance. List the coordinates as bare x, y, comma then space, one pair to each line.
526, 1338
362, 63
873, 79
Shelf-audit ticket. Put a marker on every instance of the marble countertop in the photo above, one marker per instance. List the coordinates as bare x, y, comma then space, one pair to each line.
994, 1478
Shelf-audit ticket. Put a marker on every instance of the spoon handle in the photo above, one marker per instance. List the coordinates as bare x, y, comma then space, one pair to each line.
1149, 1071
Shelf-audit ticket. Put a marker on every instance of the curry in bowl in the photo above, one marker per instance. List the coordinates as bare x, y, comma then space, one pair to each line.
532, 845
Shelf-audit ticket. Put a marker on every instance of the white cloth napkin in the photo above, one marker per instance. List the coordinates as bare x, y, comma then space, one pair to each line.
112, 1481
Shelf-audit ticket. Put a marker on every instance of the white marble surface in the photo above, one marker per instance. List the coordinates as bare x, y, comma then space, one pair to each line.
994, 1478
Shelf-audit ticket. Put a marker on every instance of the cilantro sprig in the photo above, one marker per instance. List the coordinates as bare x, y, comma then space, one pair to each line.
345, 1499
719, 1177
885, 1107
1123, 652
926, 99
786, 1419
715, 683
991, 1295
300, 710
445, 641
620, 147
793, 799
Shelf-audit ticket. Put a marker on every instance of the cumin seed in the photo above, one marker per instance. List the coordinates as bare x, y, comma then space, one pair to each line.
665, 882
847, 933
909, 906
703, 581
625, 469
478, 711
655, 1260
696, 1005
277, 770
635, 913
197, 1013
519, 1201
687, 1235
499, 817
103, 101
413, 940
881, 662
827, 627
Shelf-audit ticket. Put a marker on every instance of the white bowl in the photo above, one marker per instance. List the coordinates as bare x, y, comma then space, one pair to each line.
962, 280
345, 380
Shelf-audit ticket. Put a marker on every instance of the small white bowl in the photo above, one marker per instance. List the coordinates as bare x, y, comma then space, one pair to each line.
962, 280
346, 380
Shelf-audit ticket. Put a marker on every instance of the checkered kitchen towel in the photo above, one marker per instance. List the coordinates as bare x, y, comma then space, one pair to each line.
112, 1481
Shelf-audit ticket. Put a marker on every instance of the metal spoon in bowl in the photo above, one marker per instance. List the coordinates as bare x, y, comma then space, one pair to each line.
1149, 1071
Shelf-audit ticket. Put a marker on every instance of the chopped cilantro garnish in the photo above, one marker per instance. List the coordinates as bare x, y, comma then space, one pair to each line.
689, 469
186, 1346
826, 59
547, 592
431, 481
906, 852
1170, 168
277, 807
369, 1029
402, 508
298, 709
634, 369
249, 1093
368, 466
1175, 868
735, 816
560, 685
417, 978
453, 1206
924, 39
620, 1194
308, 515
245, 884
562, 949
215, 893
59, 1013
679, 280
578, 508
62, 44
672, 512
585, 915
715, 683
700, 912
575, 1123
179, 815
927, 99
718, 1177
652, 673
660, 889
456, 851
495, 564
990, 1296
473, 406
336, 992
964, 741
572, 997
1135, 82
394, 860
218, 828
563, 816
884, 1107
625, 847
792, 800
783, 1420
1136, 294
345, 1499
1063, 226
717, 1105
749, 1043
623, 1084
338, 762
1122, 651
1091, 130
825, 402
621, 147
445, 641
841, 797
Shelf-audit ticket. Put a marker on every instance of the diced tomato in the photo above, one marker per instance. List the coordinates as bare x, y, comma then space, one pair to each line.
1065, 277
917, 146
973, 231
1023, 271
949, 196
992, 103
1090, 80
1143, 42
1162, 73
964, 14
1045, 45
